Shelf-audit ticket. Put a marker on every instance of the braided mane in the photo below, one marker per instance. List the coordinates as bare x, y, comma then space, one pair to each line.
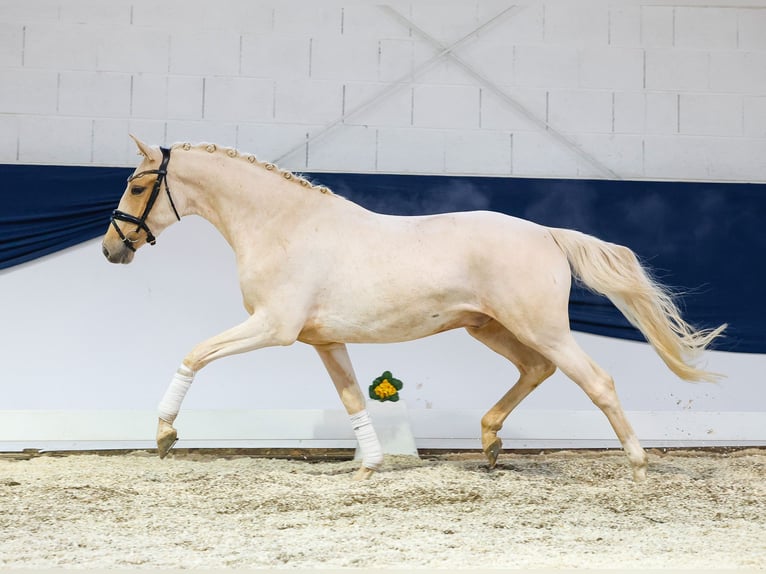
251, 159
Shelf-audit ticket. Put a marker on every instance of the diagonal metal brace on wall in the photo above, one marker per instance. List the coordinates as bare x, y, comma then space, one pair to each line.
507, 99
404, 81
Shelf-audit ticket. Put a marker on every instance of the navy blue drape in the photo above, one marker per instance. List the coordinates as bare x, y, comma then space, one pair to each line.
702, 238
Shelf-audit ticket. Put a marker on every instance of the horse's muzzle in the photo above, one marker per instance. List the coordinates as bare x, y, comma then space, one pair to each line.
117, 254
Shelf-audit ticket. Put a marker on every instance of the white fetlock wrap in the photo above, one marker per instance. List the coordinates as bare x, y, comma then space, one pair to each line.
174, 396
372, 452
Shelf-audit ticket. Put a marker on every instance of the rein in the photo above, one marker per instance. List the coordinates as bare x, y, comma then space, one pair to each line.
140, 222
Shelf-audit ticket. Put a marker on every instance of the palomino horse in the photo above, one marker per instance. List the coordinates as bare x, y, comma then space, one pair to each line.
317, 268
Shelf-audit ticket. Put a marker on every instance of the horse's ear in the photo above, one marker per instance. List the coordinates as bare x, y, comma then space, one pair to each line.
145, 150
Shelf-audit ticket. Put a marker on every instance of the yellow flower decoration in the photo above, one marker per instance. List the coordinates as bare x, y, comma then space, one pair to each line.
386, 388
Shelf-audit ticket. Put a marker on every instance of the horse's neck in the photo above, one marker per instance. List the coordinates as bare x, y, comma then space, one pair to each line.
244, 201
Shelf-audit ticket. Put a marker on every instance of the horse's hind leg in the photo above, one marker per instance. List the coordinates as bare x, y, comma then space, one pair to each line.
599, 387
533, 370
338, 364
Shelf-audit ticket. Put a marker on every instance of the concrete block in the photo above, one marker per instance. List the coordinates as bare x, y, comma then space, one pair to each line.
411, 150
741, 72
651, 113
11, 45
345, 148
344, 58
55, 140
584, 111
706, 27
276, 56
478, 152
28, 12
446, 107
492, 56
111, 144
752, 29
94, 12
396, 59
26, 91
710, 114
238, 99
311, 19
308, 101
388, 108
9, 138
158, 96
270, 142
447, 22
657, 27
184, 97
498, 114
623, 154
94, 94
677, 157
705, 157
547, 66
755, 116
577, 23
442, 70
629, 112
178, 15
368, 20
537, 154
612, 68
625, 25
204, 53
738, 159
682, 70
521, 25
661, 113
133, 49
56, 46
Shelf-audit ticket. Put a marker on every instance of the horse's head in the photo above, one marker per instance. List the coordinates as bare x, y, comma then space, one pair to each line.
143, 211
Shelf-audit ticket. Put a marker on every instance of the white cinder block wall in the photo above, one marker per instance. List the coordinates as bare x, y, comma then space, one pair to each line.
587, 88
644, 89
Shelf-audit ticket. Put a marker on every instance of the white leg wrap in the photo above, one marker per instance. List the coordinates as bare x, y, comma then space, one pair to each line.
372, 452
171, 402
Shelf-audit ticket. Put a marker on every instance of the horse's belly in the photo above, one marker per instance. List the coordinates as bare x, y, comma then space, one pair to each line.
392, 328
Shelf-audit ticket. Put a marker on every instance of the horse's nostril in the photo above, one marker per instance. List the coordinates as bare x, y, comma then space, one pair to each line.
105, 251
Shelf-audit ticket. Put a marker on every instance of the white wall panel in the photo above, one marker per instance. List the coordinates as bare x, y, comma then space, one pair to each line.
94, 94
194, 61
680, 70
26, 91
55, 140
11, 44
705, 28
710, 114
449, 107
755, 117
750, 29
466, 152
238, 99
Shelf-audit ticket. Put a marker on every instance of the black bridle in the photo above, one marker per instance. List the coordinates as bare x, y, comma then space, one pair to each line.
140, 222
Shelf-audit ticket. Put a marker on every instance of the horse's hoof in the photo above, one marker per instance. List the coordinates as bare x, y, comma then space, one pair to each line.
167, 436
493, 451
363, 473
639, 474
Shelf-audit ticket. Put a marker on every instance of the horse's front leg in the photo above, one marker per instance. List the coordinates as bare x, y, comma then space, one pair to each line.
255, 333
338, 364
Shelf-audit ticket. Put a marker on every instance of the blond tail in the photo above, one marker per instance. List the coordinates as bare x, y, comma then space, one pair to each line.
614, 271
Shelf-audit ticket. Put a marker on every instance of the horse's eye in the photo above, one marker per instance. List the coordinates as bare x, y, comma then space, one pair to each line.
137, 190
